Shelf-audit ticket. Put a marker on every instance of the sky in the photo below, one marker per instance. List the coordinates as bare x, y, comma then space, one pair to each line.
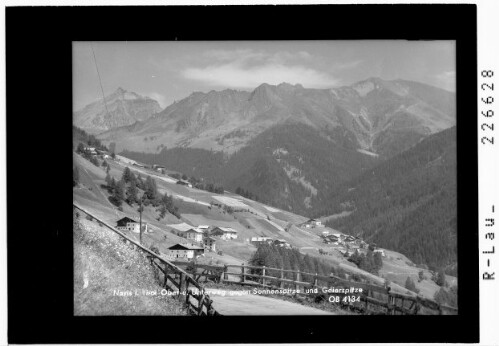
170, 71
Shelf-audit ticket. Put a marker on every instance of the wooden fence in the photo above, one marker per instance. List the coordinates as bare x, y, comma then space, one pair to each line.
373, 298
173, 278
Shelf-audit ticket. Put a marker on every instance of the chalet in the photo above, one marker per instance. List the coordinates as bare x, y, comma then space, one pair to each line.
158, 167
349, 239
333, 238
281, 243
194, 234
184, 183
184, 251
180, 228
225, 233
210, 243
91, 150
128, 224
261, 240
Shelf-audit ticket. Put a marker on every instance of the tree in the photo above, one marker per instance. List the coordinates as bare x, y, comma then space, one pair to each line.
113, 155
108, 168
421, 275
132, 193
440, 280
410, 285
108, 180
184, 177
126, 175
81, 148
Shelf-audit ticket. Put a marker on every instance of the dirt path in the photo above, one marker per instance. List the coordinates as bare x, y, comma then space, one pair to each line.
259, 305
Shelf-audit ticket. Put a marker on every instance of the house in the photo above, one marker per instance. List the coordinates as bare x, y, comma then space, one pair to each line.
180, 228
281, 243
225, 233
381, 251
332, 238
184, 251
128, 224
325, 233
183, 182
349, 239
210, 243
91, 150
194, 234
261, 240
158, 168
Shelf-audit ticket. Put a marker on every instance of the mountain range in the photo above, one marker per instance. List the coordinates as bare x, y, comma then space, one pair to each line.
375, 116
120, 108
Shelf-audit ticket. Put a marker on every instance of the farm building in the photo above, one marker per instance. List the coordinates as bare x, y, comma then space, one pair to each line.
194, 234
260, 240
181, 228
381, 251
281, 243
185, 183
225, 233
128, 224
210, 243
311, 223
184, 251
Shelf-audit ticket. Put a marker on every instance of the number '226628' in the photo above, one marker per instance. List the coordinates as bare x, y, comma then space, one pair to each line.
487, 87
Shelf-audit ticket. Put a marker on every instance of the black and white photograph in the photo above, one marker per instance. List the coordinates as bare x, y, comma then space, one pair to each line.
250, 173
265, 178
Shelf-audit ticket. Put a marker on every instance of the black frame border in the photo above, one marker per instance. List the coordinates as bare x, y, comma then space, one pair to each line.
39, 102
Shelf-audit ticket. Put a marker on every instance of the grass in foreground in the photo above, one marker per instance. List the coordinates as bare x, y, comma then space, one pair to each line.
104, 265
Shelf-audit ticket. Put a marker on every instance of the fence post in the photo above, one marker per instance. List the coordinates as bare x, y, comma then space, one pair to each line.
281, 285
225, 276
187, 293
242, 272
315, 280
298, 278
166, 276
263, 274
181, 276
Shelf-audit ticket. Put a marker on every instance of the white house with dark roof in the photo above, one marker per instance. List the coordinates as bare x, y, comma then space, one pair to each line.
194, 234
184, 252
128, 224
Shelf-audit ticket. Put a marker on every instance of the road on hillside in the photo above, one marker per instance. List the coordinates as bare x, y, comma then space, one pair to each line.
257, 305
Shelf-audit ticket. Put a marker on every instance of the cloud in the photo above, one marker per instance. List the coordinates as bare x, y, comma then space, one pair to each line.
246, 68
158, 97
447, 80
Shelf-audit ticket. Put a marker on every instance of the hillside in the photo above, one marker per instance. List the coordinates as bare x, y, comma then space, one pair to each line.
383, 117
407, 203
121, 108
105, 268
197, 208
291, 166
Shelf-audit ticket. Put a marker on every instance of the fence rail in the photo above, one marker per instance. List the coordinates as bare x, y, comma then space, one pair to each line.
174, 278
372, 296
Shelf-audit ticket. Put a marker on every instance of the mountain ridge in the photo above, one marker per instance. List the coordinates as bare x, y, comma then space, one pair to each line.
120, 108
385, 117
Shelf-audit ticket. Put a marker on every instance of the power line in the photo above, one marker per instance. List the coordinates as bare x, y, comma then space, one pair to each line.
100, 81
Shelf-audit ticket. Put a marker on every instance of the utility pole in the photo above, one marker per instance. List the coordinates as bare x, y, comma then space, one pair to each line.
140, 227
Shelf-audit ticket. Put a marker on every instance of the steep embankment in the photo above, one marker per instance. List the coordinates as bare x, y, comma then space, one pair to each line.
112, 279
